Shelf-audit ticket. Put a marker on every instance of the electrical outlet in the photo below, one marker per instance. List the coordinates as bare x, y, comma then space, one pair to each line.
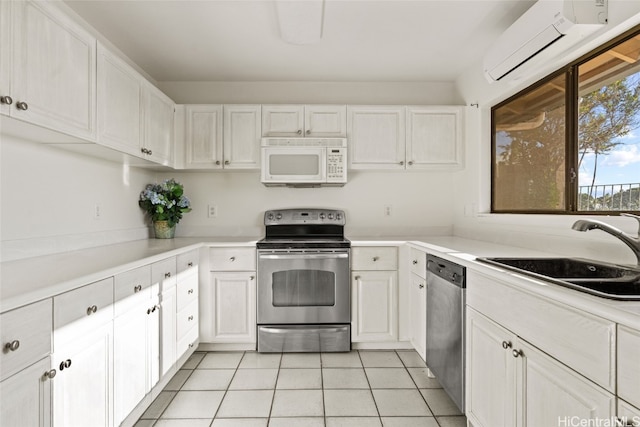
97, 211
212, 210
387, 210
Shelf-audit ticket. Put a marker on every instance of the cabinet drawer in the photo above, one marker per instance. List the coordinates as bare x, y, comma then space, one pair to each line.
186, 342
132, 287
164, 272
187, 319
187, 291
29, 329
93, 302
629, 365
374, 258
232, 259
419, 262
188, 260
584, 342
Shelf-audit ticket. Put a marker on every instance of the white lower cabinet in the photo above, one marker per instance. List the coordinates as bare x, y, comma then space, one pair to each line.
26, 397
418, 294
82, 388
136, 333
232, 298
512, 383
374, 314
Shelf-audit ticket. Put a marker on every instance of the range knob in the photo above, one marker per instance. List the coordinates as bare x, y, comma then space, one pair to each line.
338, 216
330, 216
270, 216
322, 215
279, 216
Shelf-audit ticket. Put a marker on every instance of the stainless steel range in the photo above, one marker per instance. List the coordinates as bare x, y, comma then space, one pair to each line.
304, 302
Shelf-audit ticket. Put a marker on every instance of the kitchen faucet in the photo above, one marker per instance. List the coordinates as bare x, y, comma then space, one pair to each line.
632, 242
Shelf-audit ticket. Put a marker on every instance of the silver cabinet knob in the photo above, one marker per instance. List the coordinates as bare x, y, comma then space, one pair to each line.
299, 132
402, 163
64, 365
50, 374
421, 286
357, 277
414, 262
190, 318
251, 277
410, 162
149, 152
143, 150
137, 288
506, 344
218, 162
22, 106
375, 258
189, 264
517, 353
167, 274
232, 259
6, 99
308, 131
12, 346
227, 162
190, 291
91, 310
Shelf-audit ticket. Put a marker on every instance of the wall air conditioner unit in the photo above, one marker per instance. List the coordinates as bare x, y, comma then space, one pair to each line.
545, 23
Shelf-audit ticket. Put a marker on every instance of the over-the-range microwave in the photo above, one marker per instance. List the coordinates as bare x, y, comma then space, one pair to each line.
304, 162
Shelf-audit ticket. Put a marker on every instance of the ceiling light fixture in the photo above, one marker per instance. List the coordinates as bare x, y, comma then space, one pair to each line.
300, 21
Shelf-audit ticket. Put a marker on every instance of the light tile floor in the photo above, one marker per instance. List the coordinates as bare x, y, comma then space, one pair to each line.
246, 389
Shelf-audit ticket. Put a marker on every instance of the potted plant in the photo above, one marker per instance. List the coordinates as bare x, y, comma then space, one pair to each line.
165, 203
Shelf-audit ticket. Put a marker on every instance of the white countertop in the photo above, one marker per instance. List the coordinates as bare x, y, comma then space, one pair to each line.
32, 279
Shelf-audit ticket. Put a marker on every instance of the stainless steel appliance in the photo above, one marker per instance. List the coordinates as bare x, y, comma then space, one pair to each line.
304, 162
446, 287
303, 285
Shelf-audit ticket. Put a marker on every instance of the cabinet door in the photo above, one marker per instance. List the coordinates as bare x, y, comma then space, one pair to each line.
136, 352
26, 397
434, 137
82, 389
374, 314
203, 137
376, 137
325, 120
490, 373
233, 300
628, 364
282, 120
120, 102
168, 332
158, 129
419, 315
549, 392
54, 69
6, 39
242, 132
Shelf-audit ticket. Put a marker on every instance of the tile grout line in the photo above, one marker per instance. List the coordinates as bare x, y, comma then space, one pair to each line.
370, 389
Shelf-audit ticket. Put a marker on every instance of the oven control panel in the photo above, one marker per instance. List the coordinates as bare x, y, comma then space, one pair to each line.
304, 216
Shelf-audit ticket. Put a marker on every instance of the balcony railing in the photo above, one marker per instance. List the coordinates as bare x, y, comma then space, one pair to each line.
609, 197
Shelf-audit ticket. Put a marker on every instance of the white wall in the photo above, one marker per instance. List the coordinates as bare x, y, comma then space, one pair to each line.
49, 196
544, 232
403, 93
421, 203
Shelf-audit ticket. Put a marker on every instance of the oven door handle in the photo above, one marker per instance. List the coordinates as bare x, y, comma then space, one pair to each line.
273, 330
304, 256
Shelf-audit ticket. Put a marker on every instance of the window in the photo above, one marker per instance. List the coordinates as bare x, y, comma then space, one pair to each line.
571, 143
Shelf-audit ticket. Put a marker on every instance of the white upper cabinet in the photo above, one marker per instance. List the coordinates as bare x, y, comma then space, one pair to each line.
376, 137
6, 99
158, 125
203, 136
396, 137
119, 104
434, 137
242, 130
51, 76
304, 120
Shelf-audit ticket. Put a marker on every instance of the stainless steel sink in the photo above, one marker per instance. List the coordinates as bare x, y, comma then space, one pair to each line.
594, 277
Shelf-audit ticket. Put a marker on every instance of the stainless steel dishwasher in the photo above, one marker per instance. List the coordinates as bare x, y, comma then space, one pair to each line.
446, 288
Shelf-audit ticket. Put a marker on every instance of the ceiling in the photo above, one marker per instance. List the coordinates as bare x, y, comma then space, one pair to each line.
362, 40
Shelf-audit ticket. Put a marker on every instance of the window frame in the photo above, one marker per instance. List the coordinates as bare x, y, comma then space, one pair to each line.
570, 71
